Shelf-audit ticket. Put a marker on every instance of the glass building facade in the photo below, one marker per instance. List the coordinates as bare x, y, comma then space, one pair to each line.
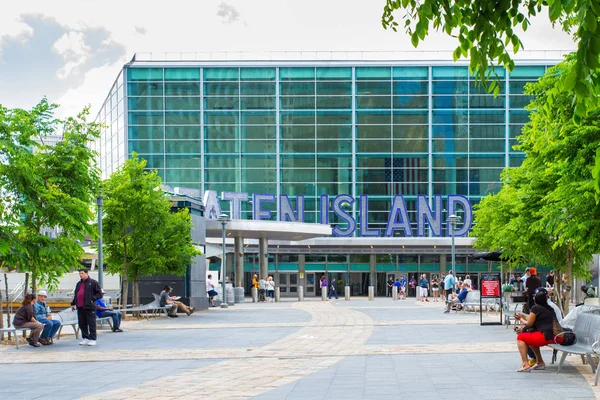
319, 128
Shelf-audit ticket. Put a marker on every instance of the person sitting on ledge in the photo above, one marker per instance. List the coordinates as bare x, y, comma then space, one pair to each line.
166, 299
102, 311
456, 299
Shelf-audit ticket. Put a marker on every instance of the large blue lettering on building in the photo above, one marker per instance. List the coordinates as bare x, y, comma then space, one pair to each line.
427, 215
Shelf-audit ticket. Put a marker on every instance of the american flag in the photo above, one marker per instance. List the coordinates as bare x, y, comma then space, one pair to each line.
403, 174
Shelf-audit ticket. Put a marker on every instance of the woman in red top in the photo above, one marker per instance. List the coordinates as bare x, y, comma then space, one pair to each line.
544, 323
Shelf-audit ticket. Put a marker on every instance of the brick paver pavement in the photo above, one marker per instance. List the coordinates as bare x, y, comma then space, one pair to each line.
290, 350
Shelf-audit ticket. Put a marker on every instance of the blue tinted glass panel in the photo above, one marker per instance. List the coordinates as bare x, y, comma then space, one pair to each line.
439, 73
221, 74
334, 73
373, 73
410, 88
257, 74
410, 73
145, 74
292, 74
527, 72
182, 74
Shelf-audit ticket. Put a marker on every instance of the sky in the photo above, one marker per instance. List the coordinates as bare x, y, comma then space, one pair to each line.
72, 50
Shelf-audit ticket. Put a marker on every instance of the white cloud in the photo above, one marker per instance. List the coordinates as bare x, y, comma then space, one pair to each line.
72, 48
13, 28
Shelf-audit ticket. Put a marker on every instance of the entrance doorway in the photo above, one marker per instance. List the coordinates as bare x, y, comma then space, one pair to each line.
288, 283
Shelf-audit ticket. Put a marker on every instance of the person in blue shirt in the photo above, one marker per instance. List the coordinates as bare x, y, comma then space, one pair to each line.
43, 316
423, 286
402, 291
103, 311
456, 299
449, 284
397, 285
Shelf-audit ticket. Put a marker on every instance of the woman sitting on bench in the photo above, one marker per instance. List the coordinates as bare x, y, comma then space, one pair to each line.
538, 329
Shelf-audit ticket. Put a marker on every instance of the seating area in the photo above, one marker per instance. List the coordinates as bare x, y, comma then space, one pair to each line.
12, 330
152, 308
587, 331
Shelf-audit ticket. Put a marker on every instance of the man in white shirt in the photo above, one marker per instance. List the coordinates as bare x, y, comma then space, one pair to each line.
524, 277
210, 290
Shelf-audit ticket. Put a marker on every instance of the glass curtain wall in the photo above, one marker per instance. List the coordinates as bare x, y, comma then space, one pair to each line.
314, 131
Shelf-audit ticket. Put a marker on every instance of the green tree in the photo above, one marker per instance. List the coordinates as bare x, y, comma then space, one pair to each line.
44, 187
141, 234
487, 32
547, 210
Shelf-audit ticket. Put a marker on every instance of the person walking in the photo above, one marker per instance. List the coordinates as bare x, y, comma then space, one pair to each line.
43, 316
423, 285
25, 318
403, 283
87, 291
332, 291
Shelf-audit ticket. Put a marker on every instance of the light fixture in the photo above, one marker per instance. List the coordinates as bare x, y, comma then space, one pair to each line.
277, 246
371, 246
402, 246
229, 234
308, 246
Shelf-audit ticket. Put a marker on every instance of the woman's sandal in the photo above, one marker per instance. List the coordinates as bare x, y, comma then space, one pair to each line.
525, 369
538, 367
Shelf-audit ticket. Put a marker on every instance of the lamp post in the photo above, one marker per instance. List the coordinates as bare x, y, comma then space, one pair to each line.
224, 220
453, 219
100, 203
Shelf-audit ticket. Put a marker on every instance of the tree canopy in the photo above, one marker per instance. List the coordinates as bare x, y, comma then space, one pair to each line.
546, 210
141, 235
45, 186
488, 32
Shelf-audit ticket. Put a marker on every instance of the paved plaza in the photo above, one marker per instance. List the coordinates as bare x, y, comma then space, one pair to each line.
290, 350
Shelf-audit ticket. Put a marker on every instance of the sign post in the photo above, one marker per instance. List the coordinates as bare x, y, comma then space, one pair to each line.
490, 289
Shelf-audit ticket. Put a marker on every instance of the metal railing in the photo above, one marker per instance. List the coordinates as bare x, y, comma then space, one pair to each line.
407, 55
17, 292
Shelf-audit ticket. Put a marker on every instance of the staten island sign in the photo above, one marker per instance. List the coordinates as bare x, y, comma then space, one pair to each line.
342, 205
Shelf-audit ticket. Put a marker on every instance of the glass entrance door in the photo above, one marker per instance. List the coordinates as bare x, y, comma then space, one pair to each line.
288, 283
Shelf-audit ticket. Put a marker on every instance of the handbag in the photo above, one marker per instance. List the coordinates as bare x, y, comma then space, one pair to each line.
569, 337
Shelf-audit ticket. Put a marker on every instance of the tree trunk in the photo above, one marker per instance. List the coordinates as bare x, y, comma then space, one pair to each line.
135, 295
26, 288
125, 285
33, 283
7, 302
570, 277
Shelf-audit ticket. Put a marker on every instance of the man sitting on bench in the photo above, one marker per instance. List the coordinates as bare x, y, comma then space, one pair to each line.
456, 299
103, 311
167, 299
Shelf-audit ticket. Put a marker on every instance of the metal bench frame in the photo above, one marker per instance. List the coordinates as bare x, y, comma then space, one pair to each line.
14, 331
587, 329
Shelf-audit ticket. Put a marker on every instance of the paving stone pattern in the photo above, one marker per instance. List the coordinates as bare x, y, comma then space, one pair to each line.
290, 350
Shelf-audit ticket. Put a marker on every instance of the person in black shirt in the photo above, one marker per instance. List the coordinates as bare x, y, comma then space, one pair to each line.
533, 282
390, 285
545, 325
550, 280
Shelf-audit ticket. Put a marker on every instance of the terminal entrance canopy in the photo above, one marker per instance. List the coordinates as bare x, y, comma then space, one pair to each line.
427, 214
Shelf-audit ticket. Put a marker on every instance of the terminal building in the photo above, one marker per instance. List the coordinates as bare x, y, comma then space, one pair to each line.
382, 149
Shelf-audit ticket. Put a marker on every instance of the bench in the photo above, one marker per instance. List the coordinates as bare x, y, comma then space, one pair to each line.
67, 317
147, 309
587, 329
14, 331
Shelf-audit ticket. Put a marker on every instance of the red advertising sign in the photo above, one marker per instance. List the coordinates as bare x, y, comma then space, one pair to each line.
490, 285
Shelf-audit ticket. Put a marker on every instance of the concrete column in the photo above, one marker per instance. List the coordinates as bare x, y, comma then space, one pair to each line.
443, 266
238, 248
300, 293
371, 293
347, 293
395, 293
229, 258
373, 271
263, 258
324, 294
277, 295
